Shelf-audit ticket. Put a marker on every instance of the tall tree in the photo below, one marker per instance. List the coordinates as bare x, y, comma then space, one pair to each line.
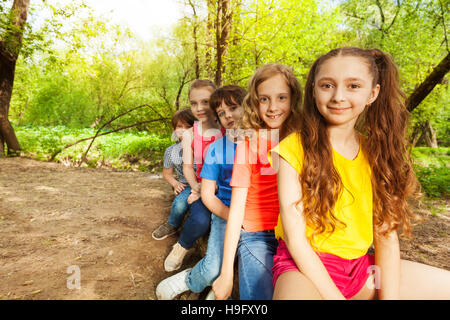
10, 46
195, 37
223, 23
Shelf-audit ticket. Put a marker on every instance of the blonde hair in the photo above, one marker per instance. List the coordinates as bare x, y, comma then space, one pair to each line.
201, 83
251, 118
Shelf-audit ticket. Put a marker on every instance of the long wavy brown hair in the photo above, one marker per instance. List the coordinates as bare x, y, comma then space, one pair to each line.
383, 128
251, 118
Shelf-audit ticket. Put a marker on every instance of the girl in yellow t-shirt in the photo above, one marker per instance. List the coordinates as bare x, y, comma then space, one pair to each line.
344, 179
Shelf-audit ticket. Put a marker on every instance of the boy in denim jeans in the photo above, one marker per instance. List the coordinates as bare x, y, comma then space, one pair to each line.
173, 159
216, 172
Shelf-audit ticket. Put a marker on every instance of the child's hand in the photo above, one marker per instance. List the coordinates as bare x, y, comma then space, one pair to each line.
222, 287
178, 187
194, 196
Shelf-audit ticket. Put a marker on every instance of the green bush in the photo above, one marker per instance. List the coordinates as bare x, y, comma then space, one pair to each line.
59, 102
122, 150
435, 181
432, 170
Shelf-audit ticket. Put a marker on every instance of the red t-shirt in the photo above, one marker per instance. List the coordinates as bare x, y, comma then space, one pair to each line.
252, 170
200, 146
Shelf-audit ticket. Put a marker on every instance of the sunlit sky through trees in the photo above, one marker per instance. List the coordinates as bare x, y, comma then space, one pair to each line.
143, 17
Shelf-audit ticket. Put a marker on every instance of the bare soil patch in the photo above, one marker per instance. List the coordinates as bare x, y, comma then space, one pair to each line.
54, 217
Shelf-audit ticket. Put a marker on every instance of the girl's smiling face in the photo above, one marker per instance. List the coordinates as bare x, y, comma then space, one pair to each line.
199, 99
343, 88
274, 97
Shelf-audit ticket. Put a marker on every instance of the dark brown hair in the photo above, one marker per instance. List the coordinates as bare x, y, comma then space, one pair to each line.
229, 94
383, 126
184, 115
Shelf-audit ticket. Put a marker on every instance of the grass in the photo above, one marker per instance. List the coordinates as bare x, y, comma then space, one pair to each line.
432, 167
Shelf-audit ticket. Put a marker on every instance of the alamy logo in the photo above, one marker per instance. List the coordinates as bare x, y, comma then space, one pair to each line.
375, 272
74, 280
257, 143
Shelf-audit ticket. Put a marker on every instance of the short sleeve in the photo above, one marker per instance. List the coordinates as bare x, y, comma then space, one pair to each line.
291, 150
242, 169
210, 169
168, 162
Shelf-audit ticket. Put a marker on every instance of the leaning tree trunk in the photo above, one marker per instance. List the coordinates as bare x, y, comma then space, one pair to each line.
428, 84
10, 45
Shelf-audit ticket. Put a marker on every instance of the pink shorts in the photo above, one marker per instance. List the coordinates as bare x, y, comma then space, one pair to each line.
348, 275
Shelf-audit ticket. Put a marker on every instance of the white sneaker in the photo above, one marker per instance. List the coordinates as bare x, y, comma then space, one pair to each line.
175, 258
210, 295
171, 287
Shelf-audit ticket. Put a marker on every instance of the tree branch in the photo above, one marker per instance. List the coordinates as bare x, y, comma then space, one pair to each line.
436, 76
102, 134
98, 134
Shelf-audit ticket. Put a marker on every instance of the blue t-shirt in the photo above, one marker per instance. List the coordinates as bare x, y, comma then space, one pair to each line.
218, 166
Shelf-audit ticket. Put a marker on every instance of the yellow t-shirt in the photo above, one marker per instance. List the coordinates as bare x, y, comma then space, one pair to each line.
353, 207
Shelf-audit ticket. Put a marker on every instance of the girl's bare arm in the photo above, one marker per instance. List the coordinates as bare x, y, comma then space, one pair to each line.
188, 160
387, 260
294, 227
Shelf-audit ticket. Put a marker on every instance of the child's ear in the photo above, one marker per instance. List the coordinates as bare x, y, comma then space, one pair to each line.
374, 94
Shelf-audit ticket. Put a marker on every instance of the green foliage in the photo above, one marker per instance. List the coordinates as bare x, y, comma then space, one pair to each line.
432, 167
435, 181
59, 102
290, 32
425, 156
415, 34
120, 150
79, 70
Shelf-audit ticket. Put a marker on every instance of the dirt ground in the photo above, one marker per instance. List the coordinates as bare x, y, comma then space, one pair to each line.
58, 223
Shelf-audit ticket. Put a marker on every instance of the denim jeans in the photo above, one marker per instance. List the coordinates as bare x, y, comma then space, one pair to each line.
208, 268
196, 225
255, 255
179, 208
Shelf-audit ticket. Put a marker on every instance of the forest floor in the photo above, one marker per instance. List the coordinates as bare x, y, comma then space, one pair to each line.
57, 223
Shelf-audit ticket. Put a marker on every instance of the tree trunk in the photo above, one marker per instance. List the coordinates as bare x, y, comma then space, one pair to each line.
223, 26
194, 34
428, 84
424, 132
430, 135
209, 46
9, 51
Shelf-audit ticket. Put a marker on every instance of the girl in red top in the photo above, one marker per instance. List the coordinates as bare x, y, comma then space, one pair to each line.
271, 109
195, 145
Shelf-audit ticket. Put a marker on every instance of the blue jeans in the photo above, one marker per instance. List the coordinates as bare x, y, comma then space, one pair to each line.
179, 208
255, 255
208, 268
196, 225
